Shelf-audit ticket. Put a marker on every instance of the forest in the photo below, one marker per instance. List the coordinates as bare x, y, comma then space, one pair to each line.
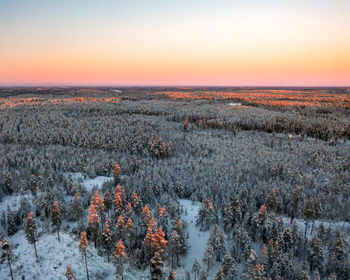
206, 183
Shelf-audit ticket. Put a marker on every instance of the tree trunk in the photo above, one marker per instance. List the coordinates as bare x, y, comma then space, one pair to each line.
10, 268
36, 254
306, 227
86, 267
312, 227
58, 234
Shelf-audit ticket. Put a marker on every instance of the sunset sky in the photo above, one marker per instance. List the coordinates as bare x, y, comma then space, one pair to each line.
179, 42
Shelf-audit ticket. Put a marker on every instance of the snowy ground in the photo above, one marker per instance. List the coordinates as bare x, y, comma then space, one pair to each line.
54, 257
196, 242
301, 226
90, 183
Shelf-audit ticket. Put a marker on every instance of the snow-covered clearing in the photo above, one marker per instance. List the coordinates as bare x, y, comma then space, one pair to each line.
54, 257
90, 183
197, 240
235, 104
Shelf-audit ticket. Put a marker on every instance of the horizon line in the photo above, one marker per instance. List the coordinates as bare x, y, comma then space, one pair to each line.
170, 86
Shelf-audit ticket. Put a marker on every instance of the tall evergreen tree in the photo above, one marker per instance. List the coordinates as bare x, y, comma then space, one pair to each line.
119, 256
6, 254
107, 238
10, 221
56, 218
84, 248
309, 212
156, 267
30, 231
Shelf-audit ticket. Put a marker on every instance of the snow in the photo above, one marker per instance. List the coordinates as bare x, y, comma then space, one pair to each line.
54, 257
235, 104
13, 201
116, 90
196, 242
89, 183
327, 224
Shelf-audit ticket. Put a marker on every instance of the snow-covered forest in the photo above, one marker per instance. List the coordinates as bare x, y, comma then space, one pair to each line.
145, 185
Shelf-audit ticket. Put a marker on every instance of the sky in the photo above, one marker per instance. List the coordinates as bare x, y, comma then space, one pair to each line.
179, 42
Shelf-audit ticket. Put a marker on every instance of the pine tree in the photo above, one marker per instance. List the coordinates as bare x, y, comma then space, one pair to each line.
177, 226
10, 221
236, 210
271, 201
118, 204
120, 225
77, 208
317, 213
315, 252
56, 218
159, 240
84, 248
69, 273
93, 222
156, 267
174, 247
316, 275
129, 229
6, 254
116, 174
119, 256
33, 185
308, 213
196, 267
208, 255
97, 200
287, 238
172, 275
30, 231
227, 216
295, 203
107, 238
219, 274
217, 239
107, 201
146, 216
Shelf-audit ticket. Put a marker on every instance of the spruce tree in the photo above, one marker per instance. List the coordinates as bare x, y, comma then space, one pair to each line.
119, 256
116, 174
6, 254
219, 274
196, 267
69, 273
10, 221
84, 248
76, 208
309, 212
156, 267
30, 231
107, 238
172, 275
56, 218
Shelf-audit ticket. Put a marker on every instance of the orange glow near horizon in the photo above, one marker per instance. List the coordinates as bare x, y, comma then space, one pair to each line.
292, 44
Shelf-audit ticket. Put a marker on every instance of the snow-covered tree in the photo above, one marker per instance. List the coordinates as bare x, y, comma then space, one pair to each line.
30, 231
56, 218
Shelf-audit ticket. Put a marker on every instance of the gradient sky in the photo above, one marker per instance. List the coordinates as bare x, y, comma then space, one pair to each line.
179, 42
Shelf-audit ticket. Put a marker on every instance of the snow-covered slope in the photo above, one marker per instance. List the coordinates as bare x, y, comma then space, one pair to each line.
54, 257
